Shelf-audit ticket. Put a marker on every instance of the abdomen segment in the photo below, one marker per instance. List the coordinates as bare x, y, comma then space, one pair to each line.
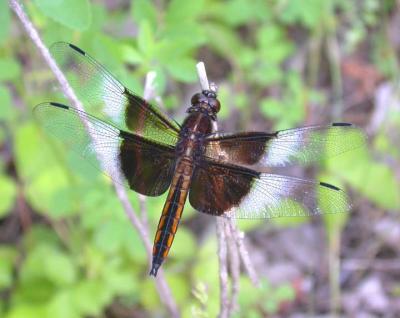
170, 218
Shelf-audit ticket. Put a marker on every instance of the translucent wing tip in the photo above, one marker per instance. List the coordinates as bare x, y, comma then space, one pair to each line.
65, 45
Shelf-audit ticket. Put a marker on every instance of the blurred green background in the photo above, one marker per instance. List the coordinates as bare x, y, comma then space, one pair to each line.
66, 247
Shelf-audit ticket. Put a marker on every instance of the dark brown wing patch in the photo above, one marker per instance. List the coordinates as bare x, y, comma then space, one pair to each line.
147, 168
245, 148
216, 188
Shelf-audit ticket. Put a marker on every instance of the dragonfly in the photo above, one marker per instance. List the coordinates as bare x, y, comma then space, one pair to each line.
221, 174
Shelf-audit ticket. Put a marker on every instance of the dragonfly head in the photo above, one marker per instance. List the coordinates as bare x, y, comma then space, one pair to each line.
206, 102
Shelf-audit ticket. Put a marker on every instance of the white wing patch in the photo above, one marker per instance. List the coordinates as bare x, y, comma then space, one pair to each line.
282, 150
105, 137
276, 196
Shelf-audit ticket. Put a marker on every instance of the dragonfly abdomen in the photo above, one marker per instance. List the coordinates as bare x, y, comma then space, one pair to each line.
170, 219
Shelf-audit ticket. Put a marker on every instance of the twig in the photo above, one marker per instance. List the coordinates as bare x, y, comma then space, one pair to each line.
162, 286
234, 265
223, 271
244, 254
202, 75
230, 240
225, 303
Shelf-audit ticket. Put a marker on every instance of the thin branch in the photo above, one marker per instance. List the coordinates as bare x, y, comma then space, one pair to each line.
225, 303
244, 254
162, 286
149, 86
234, 265
230, 240
202, 75
223, 270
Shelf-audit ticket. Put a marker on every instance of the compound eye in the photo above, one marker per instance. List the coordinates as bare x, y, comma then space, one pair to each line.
196, 99
215, 105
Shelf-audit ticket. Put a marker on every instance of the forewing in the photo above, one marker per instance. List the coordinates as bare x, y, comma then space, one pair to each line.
102, 94
236, 192
260, 151
144, 165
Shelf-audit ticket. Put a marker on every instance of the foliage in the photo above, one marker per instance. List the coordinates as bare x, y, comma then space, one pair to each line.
80, 255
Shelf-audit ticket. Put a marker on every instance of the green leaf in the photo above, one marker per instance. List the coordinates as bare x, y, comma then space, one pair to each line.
118, 279
183, 69
27, 311
46, 184
88, 296
60, 269
144, 10
364, 174
248, 295
148, 294
182, 37
47, 262
273, 44
60, 306
6, 111
134, 245
206, 271
181, 290
179, 11
284, 292
146, 42
5, 19
184, 244
8, 257
225, 98
74, 14
9, 69
8, 195
39, 234
308, 13
109, 236
50, 193
239, 12
224, 40
271, 108
131, 55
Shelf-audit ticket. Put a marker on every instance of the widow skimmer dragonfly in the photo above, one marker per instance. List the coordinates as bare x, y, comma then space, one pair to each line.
223, 174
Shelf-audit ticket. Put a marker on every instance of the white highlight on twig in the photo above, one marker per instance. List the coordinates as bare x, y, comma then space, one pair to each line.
202, 74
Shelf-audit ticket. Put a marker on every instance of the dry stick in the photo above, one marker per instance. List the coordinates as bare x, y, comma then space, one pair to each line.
162, 286
234, 264
227, 247
244, 255
223, 271
225, 302
231, 238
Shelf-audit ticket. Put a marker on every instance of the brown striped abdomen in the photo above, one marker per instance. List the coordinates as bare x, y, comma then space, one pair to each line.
171, 214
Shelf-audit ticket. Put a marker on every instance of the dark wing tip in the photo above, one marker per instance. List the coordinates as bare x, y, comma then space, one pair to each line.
76, 49
59, 105
342, 124
330, 186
